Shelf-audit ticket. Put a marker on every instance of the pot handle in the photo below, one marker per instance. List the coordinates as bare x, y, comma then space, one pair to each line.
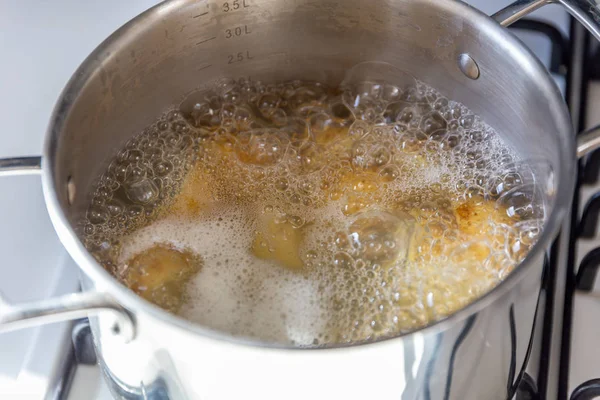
587, 12
588, 141
62, 308
20, 166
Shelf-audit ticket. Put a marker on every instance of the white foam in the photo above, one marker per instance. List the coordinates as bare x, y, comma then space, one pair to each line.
235, 291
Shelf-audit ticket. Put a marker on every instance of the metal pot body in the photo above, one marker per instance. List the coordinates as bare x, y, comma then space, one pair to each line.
181, 45
480, 357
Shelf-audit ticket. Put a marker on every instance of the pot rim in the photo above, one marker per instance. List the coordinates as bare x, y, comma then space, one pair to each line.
105, 281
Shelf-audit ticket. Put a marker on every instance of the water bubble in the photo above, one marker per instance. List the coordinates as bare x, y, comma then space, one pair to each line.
118, 170
135, 173
312, 157
440, 103
282, 184
473, 155
320, 124
340, 111
368, 114
88, 229
260, 148
142, 191
432, 123
103, 194
414, 95
455, 112
97, 215
279, 117
467, 121
268, 103
507, 181
381, 156
173, 115
389, 173
180, 127
134, 156
114, 207
410, 142
521, 202
343, 260
228, 111
296, 221
162, 167
358, 129
477, 136
407, 116
381, 237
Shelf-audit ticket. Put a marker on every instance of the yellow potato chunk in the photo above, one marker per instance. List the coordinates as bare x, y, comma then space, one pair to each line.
279, 238
474, 215
358, 192
470, 223
160, 273
194, 197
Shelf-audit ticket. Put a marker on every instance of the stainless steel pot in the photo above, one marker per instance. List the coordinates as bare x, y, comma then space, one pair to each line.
477, 353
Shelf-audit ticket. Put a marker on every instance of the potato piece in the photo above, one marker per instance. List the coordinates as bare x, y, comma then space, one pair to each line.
196, 195
160, 273
358, 192
473, 216
471, 224
194, 198
277, 239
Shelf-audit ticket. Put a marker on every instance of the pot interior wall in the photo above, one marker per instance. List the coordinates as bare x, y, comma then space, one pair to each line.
151, 64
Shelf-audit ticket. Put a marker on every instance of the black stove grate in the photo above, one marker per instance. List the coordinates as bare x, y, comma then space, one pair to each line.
583, 277
587, 390
530, 388
574, 59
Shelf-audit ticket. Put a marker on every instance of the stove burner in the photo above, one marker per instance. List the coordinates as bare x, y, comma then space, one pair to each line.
591, 168
587, 390
589, 217
527, 389
588, 270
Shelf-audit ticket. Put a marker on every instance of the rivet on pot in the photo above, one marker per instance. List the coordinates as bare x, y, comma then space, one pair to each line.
468, 66
70, 190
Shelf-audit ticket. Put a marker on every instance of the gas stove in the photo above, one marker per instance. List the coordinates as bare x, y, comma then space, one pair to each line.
42, 45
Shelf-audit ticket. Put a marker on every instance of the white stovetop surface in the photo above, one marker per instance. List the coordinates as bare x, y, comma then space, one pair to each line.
42, 43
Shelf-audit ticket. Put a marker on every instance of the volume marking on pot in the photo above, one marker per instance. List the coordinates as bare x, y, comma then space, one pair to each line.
206, 40
202, 68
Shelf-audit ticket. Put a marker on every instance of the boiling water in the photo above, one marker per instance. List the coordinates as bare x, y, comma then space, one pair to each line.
312, 215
